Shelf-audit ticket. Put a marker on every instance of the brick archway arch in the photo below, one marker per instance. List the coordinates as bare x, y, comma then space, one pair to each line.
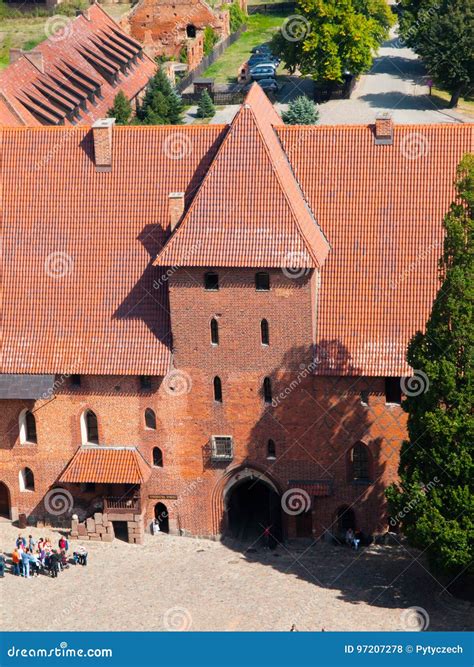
5, 501
227, 482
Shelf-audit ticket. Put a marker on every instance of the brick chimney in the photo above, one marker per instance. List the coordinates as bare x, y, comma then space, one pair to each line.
176, 208
384, 128
102, 137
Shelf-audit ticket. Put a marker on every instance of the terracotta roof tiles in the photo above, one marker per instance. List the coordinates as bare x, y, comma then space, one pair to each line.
106, 465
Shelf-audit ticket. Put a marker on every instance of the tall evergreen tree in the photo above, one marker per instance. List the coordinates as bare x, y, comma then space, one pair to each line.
206, 108
161, 104
301, 111
435, 499
121, 109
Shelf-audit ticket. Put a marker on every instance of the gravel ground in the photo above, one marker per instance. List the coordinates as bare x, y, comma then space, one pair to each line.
175, 583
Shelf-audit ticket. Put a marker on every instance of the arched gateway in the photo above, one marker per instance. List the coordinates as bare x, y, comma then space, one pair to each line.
4, 501
252, 503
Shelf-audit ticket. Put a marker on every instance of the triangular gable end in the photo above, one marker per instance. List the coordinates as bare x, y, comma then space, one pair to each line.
249, 210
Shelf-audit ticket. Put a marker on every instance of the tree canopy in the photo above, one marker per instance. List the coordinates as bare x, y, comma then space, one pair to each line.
301, 111
121, 109
442, 33
327, 39
161, 104
434, 502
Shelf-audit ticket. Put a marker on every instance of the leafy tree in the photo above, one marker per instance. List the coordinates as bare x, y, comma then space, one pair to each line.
206, 108
121, 109
332, 37
435, 497
210, 39
301, 111
442, 33
161, 104
237, 16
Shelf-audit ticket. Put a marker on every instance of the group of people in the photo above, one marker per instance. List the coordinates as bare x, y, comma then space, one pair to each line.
357, 538
31, 557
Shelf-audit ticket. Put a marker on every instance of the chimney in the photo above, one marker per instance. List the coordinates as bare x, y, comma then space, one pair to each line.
384, 129
176, 208
36, 58
102, 137
15, 54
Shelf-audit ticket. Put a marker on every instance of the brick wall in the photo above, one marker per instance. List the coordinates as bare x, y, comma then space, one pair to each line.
314, 420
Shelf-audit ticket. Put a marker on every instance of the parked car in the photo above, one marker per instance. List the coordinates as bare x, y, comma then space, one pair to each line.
261, 48
263, 71
259, 59
270, 85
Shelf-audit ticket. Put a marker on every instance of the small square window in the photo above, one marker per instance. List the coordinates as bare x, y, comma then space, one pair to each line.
222, 448
75, 381
364, 397
211, 281
262, 281
145, 382
393, 391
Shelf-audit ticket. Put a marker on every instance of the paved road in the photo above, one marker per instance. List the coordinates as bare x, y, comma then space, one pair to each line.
397, 83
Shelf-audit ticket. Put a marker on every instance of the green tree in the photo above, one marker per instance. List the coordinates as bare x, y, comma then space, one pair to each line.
210, 39
329, 38
206, 108
121, 109
434, 500
442, 33
161, 104
237, 17
301, 111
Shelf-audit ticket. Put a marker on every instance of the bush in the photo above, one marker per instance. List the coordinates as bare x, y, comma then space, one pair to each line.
237, 17
121, 109
210, 39
206, 108
301, 111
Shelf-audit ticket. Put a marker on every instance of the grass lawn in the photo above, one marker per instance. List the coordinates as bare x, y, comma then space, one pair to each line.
260, 28
465, 106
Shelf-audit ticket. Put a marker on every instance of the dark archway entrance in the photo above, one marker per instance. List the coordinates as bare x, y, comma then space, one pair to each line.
4, 501
161, 515
345, 519
252, 506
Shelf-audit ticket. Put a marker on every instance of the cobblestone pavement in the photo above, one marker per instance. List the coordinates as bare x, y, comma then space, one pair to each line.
184, 583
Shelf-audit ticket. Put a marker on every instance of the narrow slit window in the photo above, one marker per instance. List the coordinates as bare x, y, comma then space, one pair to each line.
267, 390
264, 331
217, 389
271, 449
214, 331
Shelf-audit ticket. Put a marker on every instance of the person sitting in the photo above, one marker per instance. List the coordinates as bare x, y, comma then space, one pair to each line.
80, 556
34, 564
349, 537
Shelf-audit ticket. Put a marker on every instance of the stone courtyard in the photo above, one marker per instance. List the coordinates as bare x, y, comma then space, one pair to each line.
176, 583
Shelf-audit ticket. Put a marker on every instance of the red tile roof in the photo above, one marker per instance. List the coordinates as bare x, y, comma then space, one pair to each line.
106, 465
250, 210
381, 208
80, 76
81, 293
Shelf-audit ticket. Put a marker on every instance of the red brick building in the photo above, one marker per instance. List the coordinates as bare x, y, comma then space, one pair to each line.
207, 324
74, 76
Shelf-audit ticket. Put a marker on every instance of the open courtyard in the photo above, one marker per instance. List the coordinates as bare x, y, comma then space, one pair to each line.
176, 583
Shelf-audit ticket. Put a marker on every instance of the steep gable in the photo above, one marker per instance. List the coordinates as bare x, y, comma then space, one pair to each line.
250, 210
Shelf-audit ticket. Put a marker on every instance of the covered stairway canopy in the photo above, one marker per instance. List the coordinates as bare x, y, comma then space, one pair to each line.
96, 464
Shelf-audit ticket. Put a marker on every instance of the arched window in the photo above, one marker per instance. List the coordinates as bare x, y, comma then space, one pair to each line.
271, 449
150, 419
191, 31
157, 457
27, 427
26, 480
267, 390
359, 463
89, 428
214, 331
211, 281
265, 334
217, 389
262, 281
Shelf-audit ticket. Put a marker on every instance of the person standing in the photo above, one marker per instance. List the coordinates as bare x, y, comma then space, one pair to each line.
25, 559
31, 543
54, 564
16, 558
2, 564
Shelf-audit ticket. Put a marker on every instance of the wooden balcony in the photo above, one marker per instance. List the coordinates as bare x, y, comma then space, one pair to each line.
122, 505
